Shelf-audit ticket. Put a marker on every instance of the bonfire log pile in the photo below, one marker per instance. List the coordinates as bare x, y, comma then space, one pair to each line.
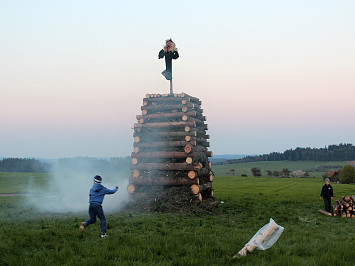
344, 207
171, 146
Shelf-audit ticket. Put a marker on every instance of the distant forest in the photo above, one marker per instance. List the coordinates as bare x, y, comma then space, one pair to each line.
111, 165
23, 165
341, 152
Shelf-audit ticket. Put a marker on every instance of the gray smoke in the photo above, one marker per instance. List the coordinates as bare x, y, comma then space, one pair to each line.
67, 188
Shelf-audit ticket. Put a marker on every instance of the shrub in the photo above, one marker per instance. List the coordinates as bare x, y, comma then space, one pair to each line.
347, 174
256, 171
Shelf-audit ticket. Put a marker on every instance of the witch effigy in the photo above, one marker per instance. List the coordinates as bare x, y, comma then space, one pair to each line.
170, 52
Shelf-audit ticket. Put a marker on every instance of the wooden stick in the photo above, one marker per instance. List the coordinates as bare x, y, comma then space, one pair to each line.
324, 212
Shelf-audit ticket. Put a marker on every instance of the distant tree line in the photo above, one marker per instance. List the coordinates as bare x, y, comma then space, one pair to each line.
111, 165
341, 152
23, 165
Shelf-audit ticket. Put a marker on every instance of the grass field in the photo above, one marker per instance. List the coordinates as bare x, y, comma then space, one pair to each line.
245, 168
31, 238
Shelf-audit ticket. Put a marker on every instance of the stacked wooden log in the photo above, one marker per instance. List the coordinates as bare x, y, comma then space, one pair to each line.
344, 207
171, 146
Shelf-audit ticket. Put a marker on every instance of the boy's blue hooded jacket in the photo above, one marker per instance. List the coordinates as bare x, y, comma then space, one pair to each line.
97, 193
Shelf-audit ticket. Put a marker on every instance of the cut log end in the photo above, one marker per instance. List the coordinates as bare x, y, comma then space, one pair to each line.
188, 138
131, 188
135, 173
134, 160
137, 139
136, 149
189, 160
188, 148
195, 189
191, 174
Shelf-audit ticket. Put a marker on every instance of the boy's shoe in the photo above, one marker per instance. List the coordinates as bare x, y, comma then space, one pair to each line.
81, 228
103, 235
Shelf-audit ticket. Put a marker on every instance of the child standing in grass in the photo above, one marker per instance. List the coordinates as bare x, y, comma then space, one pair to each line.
327, 194
97, 194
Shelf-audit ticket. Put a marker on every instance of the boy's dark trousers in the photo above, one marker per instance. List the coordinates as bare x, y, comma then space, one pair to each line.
96, 210
327, 204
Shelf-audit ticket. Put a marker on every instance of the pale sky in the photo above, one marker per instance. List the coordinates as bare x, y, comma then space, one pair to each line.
272, 75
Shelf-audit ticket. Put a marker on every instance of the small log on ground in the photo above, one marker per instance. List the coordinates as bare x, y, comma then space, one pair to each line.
324, 212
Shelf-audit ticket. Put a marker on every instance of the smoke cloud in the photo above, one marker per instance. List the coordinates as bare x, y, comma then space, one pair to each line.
67, 188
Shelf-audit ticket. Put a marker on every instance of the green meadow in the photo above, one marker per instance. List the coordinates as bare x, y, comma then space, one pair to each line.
306, 166
28, 237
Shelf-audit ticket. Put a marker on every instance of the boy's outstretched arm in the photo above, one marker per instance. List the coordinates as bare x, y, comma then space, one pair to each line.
111, 191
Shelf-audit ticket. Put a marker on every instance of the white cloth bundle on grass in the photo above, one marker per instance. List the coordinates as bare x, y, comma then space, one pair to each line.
263, 239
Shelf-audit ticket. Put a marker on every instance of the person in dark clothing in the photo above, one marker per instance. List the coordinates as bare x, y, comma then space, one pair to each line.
97, 194
327, 194
170, 52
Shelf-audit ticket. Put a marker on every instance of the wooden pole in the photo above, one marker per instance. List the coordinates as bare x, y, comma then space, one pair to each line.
171, 86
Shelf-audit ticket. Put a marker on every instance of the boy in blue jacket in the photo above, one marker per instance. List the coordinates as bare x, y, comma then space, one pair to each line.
97, 194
